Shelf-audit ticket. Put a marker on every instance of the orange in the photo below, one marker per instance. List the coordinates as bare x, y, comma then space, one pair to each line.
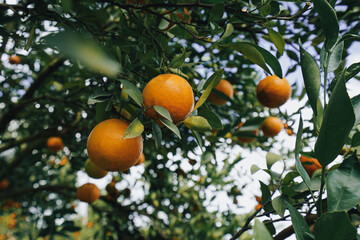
88, 193
64, 161
271, 126
310, 164
247, 139
273, 92
258, 206
141, 160
225, 87
4, 184
184, 17
14, 59
289, 132
108, 150
55, 144
94, 171
258, 199
169, 91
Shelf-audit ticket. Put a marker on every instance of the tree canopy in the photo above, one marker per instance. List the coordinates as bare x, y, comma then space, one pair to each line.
68, 65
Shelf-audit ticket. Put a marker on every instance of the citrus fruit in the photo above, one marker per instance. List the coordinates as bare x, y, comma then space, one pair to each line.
55, 144
169, 91
88, 193
4, 184
141, 160
247, 139
271, 126
14, 59
94, 171
108, 150
310, 164
273, 92
225, 87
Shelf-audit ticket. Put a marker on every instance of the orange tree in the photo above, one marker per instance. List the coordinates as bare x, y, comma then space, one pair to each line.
68, 65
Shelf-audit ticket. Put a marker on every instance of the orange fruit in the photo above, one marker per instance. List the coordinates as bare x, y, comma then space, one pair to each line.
184, 17
64, 160
247, 139
310, 164
88, 193
94, 171
258, 206
55, 144
4, 184
289, 132
14, 59
271, 126
258, 199
141, 160
108, 150
169, 91
273, 92
225, 87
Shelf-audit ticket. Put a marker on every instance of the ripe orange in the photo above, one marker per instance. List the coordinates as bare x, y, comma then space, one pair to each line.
258, 199
271, 126
94, 171
273, 92
108, 150
258, 206
225, 87
247, 139
310, 164
88, 193
14, 59
184, 17
171, 92
289, 132
141, 160
55, 144
4, 184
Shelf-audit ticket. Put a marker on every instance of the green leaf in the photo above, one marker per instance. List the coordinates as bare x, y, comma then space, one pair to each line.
343, 185
349, 36
133, 92
86, 51
254, 168
171, 126
299, 224
355, 141
156, 130
356, 105
209, 85
334, 226
299, 166
338, 120
336, 57
216, 12
98, 97
260, 231
272, 158
252, 53
163, 112
178, 60
212, 118
228, 31
198, 138
312, 78
265, 196
197, 123
214, 79
279, 205
100, 111
31, 37
67, 5
349, 73
134, 129
277, 39
329, 22
271, 61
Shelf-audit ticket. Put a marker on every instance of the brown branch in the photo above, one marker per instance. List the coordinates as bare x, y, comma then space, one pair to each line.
14, 109
20, 192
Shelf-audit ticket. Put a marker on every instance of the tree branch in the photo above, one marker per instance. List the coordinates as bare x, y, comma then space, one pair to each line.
287, 232
14, 109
